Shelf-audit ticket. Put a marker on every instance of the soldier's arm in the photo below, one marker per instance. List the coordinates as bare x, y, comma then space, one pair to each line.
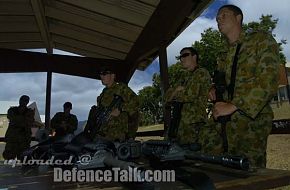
131, 102
55, 121
13, 117
10, 113
252, 93
29, 117
168, 96
74, 124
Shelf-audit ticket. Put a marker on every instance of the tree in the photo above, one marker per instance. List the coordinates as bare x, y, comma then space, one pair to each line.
150, 107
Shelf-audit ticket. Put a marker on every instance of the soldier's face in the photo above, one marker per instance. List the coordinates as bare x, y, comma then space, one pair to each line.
23, 103
227, 20
107, 79
66, 110
187, 59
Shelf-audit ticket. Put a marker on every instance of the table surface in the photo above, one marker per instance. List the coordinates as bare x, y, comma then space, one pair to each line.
223, 178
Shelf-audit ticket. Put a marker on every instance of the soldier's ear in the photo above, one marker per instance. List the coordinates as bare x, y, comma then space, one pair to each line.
239, 18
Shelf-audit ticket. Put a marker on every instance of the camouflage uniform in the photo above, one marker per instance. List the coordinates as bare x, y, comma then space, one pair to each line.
18, 134
63, 124
255, 85
119, 128
194, 99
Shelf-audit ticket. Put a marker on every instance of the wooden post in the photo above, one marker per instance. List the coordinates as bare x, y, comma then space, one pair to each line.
164, 83
48, 99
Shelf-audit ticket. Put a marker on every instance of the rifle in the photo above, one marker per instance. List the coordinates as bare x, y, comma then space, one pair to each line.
219, 80
162, 153
175, 117
169, 151
100, 115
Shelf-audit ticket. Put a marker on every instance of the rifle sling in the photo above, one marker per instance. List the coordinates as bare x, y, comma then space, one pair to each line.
231, 88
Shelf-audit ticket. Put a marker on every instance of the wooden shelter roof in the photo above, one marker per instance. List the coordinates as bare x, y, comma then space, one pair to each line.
122, 34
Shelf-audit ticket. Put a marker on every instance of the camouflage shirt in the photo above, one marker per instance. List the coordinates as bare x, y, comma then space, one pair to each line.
117, 127
63, 124
20, 123
194, 98
257, 72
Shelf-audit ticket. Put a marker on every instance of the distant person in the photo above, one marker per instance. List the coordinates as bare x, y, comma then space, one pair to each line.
64, 123
18, 134
123, 120
192, 93
250, 66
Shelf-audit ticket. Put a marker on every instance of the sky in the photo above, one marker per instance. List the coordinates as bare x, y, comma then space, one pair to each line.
82, 92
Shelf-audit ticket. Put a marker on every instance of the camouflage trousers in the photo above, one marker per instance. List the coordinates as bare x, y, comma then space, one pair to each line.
246, 137
15, 148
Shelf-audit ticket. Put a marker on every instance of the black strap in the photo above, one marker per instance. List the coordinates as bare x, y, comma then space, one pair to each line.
231, 86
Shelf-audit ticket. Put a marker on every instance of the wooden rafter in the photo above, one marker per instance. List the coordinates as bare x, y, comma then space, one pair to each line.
38, 10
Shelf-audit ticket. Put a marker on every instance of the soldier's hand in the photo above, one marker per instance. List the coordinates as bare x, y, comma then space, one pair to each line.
177, 89
115, 112
211, 94
223, 109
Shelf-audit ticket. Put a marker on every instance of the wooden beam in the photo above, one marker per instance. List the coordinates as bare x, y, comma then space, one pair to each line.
92, 24
78, 51
15, 18
48, 99
22, 61
94, 16
15, 7
38, 10
30, 26
22, 45
111, 10
91, 37
88, 47
163, 64
150, 2
20, 37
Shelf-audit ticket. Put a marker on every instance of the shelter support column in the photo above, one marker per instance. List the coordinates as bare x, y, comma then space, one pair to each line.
163, 64
48, 99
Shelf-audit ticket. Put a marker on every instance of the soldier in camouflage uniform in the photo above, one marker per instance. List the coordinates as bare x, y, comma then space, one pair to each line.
64, 123
256, 83
18, 134
192, 92
121, 124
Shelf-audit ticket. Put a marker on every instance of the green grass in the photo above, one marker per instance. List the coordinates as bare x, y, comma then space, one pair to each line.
281, 110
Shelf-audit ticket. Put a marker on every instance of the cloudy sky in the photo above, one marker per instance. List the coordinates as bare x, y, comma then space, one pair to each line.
82, 92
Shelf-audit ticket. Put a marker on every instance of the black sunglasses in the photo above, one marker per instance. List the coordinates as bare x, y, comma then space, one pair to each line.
105, 72
183, 55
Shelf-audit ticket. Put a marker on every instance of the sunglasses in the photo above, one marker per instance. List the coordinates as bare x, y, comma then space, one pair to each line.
183, 55
106, 72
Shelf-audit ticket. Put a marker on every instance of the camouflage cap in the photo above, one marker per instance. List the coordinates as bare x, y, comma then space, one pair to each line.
106, 70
